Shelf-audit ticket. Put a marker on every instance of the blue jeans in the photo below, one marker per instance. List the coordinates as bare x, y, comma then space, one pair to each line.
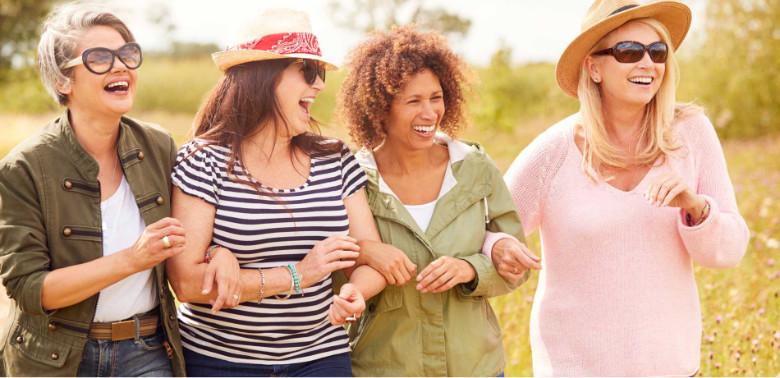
142, 356
199, 365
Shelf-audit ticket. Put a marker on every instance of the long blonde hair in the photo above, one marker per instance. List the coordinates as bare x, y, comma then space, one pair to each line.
656, 138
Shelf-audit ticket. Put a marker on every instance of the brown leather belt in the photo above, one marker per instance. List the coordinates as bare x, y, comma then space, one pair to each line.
125, 329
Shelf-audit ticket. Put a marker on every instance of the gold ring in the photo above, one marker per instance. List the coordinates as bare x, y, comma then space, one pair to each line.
235, 297
515, 272
166, 242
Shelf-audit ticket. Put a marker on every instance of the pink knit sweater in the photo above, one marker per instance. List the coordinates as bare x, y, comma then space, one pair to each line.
616, 294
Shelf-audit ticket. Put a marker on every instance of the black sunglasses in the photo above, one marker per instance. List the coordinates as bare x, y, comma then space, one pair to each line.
312, 69
100, 60
632, 52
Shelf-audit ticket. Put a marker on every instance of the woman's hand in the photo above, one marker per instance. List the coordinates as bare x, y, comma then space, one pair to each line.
348, 304
389, 261
444, 273
225, 271
669, 189
512, 258
326, 257
150, 249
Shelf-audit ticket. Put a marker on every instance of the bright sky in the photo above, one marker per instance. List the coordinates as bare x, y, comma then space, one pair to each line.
536, 30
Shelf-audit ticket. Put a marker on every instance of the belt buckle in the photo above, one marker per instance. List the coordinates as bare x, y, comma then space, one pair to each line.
123, 330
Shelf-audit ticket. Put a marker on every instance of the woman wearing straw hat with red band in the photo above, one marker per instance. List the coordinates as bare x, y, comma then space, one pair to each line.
271, 211
627, 193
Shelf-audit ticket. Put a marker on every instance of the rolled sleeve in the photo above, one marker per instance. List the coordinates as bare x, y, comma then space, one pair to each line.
720, 241
487, 283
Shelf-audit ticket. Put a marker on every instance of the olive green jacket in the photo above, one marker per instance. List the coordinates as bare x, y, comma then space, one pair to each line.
454, 333
50, 218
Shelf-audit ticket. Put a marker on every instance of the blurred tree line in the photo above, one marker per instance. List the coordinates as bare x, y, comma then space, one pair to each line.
733, 72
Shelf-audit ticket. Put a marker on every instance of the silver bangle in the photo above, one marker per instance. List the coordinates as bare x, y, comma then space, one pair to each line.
262, 285
292, 286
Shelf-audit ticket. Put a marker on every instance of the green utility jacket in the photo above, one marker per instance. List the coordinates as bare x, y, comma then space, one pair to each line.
454, 333
50, 219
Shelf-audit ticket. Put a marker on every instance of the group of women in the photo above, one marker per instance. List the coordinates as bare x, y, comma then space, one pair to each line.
274, 237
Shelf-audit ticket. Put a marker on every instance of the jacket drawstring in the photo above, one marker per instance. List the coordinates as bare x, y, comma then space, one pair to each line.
487, 219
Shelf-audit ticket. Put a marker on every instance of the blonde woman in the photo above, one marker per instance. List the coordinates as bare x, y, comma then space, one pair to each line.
627, 193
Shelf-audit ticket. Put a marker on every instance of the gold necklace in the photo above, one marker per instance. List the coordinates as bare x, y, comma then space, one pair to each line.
113, 173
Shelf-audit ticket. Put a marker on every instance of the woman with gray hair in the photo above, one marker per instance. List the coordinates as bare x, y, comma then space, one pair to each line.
84, 226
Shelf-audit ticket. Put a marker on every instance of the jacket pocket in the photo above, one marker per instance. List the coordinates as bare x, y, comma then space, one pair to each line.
390, 299
28, 345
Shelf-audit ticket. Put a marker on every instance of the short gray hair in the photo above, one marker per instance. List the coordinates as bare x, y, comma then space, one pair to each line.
60, 36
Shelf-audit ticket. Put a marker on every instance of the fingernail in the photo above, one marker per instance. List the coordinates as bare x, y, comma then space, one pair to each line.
204, 292
419, 277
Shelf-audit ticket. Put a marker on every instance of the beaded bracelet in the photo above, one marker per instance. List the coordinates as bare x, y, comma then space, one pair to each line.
294, 275
209, 257
262, 286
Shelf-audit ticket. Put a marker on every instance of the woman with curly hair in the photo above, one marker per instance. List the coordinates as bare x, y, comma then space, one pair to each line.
432, 197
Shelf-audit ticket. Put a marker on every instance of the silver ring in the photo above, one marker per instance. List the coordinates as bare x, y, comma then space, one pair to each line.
515, 272
166, 242
235, 297
351, 319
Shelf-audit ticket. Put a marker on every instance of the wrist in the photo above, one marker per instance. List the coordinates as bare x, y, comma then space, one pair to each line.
698, 206
211, 253
126, 262
469, 273
303, 279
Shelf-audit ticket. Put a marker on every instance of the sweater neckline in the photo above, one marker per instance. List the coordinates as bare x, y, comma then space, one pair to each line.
638, 189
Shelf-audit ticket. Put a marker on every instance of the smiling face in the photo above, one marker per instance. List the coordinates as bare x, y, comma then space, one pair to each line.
296, 97
107, 95
627, 84
416, 111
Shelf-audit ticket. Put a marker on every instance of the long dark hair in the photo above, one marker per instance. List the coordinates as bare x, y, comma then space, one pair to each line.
245, 99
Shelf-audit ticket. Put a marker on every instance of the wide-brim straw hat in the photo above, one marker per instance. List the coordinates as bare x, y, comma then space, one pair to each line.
274, 34
605, 16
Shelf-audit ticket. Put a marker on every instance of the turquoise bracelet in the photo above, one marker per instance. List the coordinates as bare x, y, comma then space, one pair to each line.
294, 275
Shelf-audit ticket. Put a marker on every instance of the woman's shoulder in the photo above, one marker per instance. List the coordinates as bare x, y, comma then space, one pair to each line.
693, 125
203, 149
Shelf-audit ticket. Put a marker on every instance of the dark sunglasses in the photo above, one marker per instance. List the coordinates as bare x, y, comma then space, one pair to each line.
100, 60
312, 69
632, 52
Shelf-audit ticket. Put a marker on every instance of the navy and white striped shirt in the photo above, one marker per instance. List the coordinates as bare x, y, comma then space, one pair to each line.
267, 232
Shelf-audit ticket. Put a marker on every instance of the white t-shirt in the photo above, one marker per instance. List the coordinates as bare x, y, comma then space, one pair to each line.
422, 214
122, 225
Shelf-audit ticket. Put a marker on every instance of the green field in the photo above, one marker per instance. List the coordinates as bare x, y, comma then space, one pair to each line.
739, 306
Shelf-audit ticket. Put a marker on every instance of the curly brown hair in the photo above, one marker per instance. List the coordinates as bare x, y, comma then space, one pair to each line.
380, 67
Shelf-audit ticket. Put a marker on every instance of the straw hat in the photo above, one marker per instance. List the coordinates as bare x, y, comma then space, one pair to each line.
275, 34
605, 16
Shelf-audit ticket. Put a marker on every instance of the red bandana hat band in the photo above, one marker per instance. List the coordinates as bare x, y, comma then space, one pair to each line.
283, 44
